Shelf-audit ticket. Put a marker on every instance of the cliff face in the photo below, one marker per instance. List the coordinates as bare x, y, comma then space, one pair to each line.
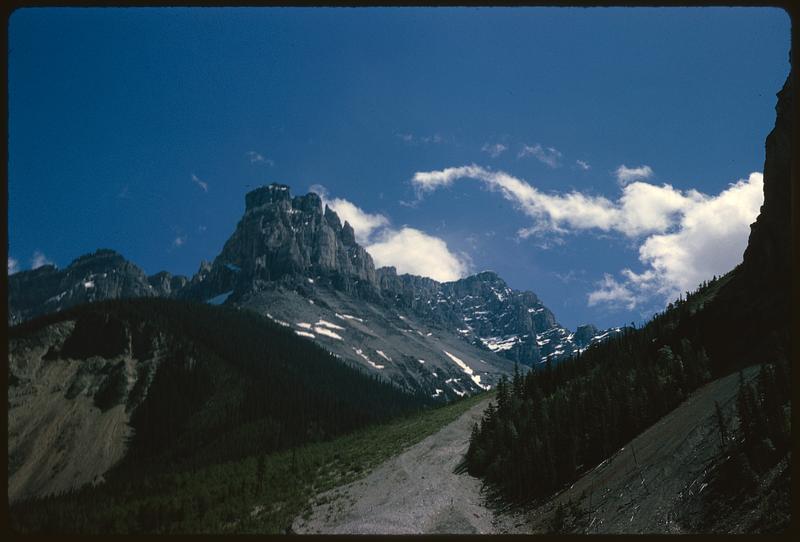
756, 300
766, 267
282, 238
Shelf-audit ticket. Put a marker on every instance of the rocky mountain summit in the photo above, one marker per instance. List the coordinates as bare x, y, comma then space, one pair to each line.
293, 260
103, 274
294, 244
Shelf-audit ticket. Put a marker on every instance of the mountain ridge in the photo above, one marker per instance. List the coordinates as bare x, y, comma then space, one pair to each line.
286, 246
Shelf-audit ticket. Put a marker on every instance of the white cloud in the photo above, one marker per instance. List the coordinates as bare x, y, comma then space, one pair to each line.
546, 155
409, 250
583, 165
643, 208
413, 251
625, 174
13, 265
179, 241
612, 293
494, 150
684, 237
363, 223
256, 157
709, 239
39, 260
550, 212
198, 182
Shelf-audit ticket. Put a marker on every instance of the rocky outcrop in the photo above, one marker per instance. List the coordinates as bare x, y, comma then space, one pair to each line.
281, 238
103, 274
165, 284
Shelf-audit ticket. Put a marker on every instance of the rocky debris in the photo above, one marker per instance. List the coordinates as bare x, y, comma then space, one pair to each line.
61, 397
414, 492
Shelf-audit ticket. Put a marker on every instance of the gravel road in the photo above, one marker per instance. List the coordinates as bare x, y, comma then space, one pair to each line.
412, 493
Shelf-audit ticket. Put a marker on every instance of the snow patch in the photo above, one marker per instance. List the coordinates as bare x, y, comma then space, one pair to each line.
361, 353
304, 325
281, 322
421, 360
327, 333
57, 298
348, 317
466, 369
217, 300
305, 334
88, 284
384, 356
499, 344
329, 325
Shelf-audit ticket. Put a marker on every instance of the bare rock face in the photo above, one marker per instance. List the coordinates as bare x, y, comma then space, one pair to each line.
486, 312
766, 264
165, 284
103, 274
282, 238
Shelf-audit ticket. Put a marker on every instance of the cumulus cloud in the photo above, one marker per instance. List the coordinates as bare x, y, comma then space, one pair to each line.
625, 174
546, 155
179, 241
407, 249
709, 239
13, 265
643, 208
494, 150
583, 165
684, 237
363, 223
413, 251
613, 294
198, 182
39, 260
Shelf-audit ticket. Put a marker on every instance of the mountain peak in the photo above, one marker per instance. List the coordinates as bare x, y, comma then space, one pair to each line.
101, 254
267, 194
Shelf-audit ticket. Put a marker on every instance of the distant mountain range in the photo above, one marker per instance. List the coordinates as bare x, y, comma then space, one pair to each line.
292, 260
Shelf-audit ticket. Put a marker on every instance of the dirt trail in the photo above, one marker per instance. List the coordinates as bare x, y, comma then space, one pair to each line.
412, 493
643, 488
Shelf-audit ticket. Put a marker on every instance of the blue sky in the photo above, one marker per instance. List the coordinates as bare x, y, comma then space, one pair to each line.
142, 129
